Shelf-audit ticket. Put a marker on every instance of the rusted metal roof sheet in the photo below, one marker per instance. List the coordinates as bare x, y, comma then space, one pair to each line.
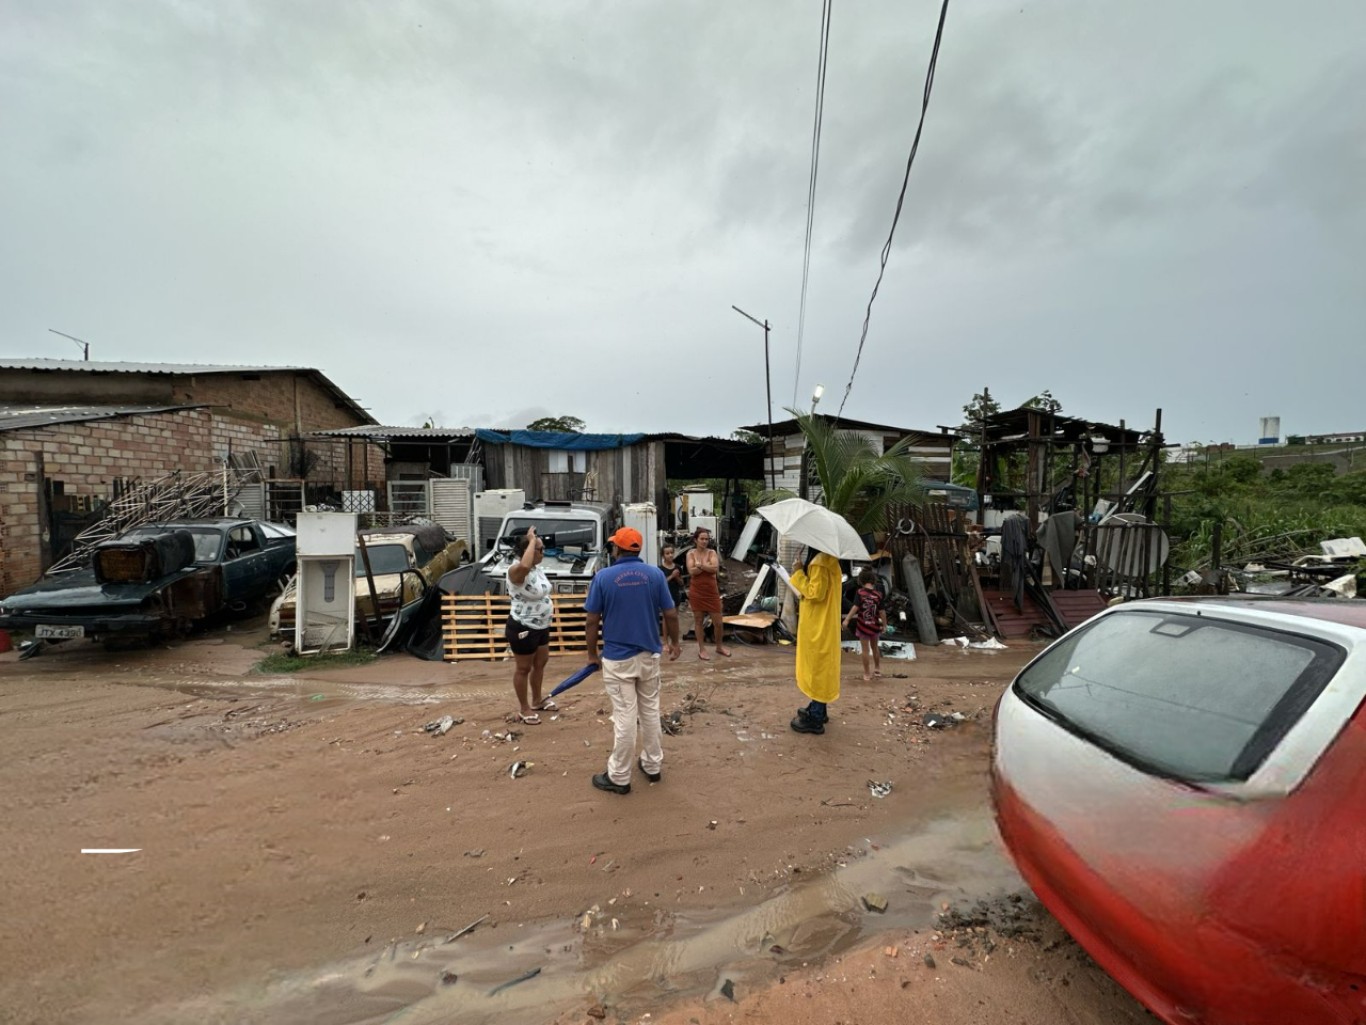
23, 418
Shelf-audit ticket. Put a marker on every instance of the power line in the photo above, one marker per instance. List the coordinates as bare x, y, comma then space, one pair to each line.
900, 200
811, 186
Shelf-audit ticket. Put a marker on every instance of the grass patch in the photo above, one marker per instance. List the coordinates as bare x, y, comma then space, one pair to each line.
280, 662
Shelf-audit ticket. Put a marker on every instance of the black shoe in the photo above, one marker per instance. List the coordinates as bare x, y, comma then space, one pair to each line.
802, 724
604, 782
653, 777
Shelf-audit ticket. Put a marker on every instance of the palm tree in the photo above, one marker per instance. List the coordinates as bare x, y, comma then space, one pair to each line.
855, 481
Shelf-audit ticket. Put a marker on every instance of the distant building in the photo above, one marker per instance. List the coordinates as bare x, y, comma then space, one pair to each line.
1343, 438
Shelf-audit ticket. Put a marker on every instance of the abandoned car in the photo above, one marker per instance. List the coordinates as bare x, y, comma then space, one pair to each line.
1178, 783
394, 552
155, 580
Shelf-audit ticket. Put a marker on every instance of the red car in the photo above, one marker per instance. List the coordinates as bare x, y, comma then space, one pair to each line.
1183, 784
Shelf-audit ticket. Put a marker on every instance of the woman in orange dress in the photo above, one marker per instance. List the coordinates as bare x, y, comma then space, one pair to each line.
704, 595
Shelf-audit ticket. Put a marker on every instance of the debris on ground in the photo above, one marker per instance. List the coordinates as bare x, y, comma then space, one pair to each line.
672, 724
478, 852
519, 769
929, 961
597, 1011
879, 789
990, 644
513, 982
728, 990
471, 927
448, 978
438, 727
875, 902
939, 720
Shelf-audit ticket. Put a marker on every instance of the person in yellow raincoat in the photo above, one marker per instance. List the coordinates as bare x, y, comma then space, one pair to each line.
818, 638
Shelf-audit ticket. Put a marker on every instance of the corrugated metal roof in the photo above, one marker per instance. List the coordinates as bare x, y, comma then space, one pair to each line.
381, 433
20, 418
784, 428
98, 367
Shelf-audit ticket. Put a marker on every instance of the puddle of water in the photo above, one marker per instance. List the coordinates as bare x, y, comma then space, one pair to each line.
632, 967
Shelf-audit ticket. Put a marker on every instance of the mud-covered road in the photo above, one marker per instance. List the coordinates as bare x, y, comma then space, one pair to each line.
307, 851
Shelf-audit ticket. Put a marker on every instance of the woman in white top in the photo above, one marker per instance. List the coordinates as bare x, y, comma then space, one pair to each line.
528, 625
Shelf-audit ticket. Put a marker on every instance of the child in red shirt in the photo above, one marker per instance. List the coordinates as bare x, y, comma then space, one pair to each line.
869, 621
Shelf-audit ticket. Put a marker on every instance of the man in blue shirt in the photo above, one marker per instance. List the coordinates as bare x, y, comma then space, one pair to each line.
624, 602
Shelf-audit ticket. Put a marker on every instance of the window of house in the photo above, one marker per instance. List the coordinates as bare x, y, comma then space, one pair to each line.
565, 461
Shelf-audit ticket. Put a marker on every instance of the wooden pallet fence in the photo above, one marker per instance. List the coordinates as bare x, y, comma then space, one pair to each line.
473, 626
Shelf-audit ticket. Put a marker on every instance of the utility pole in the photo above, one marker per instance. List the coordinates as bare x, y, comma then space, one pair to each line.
768, 389
85, 346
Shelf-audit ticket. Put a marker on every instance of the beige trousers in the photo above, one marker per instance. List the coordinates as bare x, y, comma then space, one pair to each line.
633, 686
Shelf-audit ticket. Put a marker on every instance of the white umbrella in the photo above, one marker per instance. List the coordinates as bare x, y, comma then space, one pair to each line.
816, 526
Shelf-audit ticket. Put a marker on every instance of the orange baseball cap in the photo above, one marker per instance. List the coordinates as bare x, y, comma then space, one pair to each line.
628, 539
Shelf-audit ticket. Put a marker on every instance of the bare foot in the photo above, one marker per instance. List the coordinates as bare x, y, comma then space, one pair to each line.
866, 676
877, 673
725, 652
703, 656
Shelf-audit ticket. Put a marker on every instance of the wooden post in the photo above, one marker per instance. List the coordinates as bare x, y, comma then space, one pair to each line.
920, 602
44, 514
375, 632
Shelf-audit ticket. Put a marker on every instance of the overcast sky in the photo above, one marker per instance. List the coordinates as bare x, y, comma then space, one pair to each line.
484, 212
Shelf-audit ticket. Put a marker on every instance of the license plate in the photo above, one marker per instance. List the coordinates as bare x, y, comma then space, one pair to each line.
58, 633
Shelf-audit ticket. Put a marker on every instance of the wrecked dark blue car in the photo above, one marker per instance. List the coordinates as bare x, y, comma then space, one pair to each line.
155, 580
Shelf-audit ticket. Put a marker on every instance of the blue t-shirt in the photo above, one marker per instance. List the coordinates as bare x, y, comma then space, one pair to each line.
629, 595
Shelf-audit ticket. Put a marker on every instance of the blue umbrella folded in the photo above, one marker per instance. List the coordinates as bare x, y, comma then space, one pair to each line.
575, 679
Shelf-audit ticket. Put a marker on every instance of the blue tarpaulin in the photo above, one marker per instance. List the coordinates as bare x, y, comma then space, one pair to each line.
558, 440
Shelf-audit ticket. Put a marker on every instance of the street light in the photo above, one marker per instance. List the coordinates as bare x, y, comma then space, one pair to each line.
768, 389
85, 346
816, 397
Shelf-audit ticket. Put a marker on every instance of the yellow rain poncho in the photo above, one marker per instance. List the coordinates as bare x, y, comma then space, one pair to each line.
818, 628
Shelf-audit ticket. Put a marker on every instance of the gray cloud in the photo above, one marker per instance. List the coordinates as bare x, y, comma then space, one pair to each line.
417, 197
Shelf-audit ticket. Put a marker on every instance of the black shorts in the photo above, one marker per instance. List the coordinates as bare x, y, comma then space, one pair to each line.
523, 640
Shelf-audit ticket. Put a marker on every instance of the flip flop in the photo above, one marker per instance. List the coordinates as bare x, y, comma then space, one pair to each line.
704, 656
723, 654
530, 720
547, 706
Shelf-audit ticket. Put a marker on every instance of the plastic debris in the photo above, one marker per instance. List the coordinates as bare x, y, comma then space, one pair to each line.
513, 982
728, 990
438, 727
879, 789
519, 769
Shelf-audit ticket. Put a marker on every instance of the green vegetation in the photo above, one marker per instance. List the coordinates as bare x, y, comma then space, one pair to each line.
1264, 515
563, 424
282, 662
855, 481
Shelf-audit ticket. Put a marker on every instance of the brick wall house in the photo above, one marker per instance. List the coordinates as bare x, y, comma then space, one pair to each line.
296, 400
79, 459
84, 425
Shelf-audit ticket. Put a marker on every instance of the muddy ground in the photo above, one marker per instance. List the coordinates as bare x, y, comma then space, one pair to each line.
308, 851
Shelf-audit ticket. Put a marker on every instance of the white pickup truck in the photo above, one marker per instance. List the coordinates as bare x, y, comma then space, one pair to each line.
575, 536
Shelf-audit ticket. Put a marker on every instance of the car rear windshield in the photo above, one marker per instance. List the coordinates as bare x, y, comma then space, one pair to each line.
383, 559
207, 540
1186, 696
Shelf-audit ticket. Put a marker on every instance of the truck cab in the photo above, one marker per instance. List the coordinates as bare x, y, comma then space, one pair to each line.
575, 536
